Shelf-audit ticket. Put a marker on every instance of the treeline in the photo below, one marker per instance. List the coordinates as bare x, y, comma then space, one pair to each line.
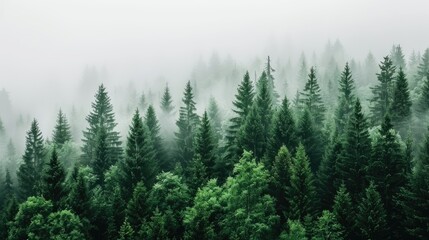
279, 169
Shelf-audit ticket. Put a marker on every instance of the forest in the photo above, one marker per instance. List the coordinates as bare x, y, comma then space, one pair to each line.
346, 156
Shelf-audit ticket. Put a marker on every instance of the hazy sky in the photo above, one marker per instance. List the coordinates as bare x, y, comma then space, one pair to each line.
50, 41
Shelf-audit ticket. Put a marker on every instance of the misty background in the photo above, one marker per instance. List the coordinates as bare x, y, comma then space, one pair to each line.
54, 54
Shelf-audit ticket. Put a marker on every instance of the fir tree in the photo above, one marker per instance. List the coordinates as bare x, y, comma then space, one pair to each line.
328, 227
6, 190
215, 119
270, 78
102, 161
383, 92
284, 130
154, 128
53, 181
401, 105
62, 132
345, 100
167, 101
357, 150
30, 171
137, 208
343, 209
205, 147
302, 192
280, 182
371, 215
397, 56
79, 201
101, 119
187, 124
126, 232
312, 99
423, 68
139, 164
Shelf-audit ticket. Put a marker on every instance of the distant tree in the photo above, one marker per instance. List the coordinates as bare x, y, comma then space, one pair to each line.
302, 192
383, 92
53, 188
30, 171
423, 68
162, 163
62, 132
187, 124
101, 119
342, 209
397, 57
371, 215
401, 105
215, 119
167, 101
139, 164
7, 191
270, 78
345, 100
311, 98
11, 159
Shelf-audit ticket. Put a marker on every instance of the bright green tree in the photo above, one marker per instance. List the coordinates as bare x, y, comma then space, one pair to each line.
328, 227
296, 231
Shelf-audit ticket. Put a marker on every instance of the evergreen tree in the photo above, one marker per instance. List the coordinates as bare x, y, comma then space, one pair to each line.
30, 171
187, 124
343, 210
11, 158
198, 174
401, 105
62, 132
137, 209
328, 227
139, 164
302, 192
116, 213
215, 119
271, 87
284, 130
101, 121
383, 92
312, 99
167, 102
126, 232
357, 151
242, 105
296, 231
53, 188
345, 100
371, 215
205, 146
423, 68
154, 128
7, 191
79, 202
102, 157
397, 56
311, 138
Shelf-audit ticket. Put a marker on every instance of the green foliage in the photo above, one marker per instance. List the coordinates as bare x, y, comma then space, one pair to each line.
58, 226
205, 147
343, 209
328, 227
215, 119
401, 105
53, 188
345, 100
397, 56
137, 209
167, 102
62, 132
311, 98
126, 232
152, 123
296, 231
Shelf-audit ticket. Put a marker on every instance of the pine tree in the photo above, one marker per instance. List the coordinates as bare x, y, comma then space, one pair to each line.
53, 181
30, 171
284, 130
397, 56
302, 192
101, 117
383, 92
205, 146
187, 124
371, 215
242, 106
311, 139
343, 209
139, 164
280, 180
345, 99
357, 151
401, 105
167, 101
62, 132
151, 121
137, 208
311, 98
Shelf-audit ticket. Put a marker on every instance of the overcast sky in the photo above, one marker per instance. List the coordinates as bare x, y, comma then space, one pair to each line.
50, 41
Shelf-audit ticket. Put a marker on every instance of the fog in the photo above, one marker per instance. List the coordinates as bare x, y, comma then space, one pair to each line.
45, 46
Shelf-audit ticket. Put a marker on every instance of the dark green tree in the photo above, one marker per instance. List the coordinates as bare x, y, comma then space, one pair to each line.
7, 191
205, 146
137, 208
167, 102
79, 201
62, 133
371, 215
383, 92
102, 161
346, 100
126, 232
162, 162
30, 171
302, 192
311, 98
101, 121
139, 164
343, 209
53, 187
401, 105
187, 124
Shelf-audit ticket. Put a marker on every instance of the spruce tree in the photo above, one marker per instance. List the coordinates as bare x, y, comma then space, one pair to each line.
215, 119
284, 130
311, 98
371, 215
401, 105
30, 171
137, 208
311, 138
302, 192
6, 190
343, 209
126, 232
397, 56
271, 87
167, 102
139, 164
53, 188
101, 119
102, 160
205, 146
152, 123
79, 201
280, 182
345, 100
328, 227
357, 151
62, 132
383, 92
423, 68
187, 124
